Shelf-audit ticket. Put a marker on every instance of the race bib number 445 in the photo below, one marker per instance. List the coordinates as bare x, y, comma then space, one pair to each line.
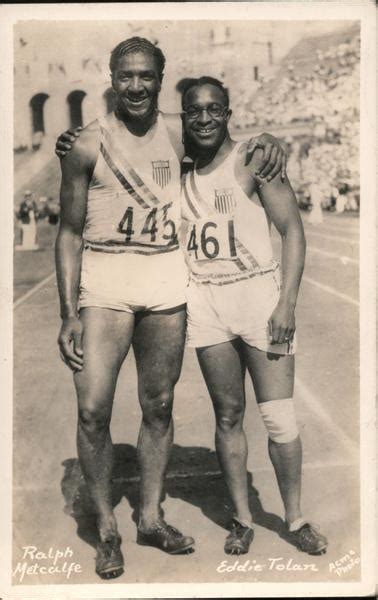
209, 239
148, 228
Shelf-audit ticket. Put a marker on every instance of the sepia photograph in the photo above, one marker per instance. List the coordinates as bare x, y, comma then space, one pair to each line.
190, 358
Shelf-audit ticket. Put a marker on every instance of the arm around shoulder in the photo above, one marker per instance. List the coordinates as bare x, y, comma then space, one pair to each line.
77, 169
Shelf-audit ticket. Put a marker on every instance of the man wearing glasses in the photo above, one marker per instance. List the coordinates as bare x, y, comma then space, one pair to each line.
239, 315
122, 279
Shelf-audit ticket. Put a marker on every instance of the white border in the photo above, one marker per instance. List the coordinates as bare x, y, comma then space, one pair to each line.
364, 11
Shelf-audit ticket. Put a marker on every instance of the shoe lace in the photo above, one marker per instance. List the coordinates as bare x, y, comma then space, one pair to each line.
237, 528
308, 531
169, 529
109, 546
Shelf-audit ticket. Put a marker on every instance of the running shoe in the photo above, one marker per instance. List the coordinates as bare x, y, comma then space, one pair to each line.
239, 539
308, 539
166, 538
109, 559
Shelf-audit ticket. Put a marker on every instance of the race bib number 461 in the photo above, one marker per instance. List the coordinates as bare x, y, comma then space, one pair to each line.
148, 228
211, 239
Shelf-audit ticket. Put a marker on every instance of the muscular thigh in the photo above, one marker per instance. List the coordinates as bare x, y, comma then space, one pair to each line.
223, 369
107, 337
272, 374
158, 343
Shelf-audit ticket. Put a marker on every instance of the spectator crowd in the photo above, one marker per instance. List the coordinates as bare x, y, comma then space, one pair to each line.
321, 89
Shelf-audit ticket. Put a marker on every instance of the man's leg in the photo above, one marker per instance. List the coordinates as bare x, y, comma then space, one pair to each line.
223, 370
158, 344
106, 341
273, 379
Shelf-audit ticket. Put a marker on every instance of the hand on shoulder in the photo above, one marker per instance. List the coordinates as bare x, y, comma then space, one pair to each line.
245, 169
253, 165
86, 147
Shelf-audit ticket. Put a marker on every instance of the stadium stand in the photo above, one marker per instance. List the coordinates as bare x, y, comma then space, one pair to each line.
318, 84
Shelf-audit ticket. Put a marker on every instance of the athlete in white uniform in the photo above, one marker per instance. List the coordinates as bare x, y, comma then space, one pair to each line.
119, 264
133, 212
238, 314
121, 279
228, 241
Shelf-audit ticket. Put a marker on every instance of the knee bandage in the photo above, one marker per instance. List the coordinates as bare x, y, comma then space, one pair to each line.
279, 419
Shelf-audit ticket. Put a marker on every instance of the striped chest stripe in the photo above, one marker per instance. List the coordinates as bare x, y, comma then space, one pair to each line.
243, 250
121, 178
205, 206
190, 204
130, 171
196, 203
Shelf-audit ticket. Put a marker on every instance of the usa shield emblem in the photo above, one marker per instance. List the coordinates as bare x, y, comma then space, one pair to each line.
161, 172
225, 201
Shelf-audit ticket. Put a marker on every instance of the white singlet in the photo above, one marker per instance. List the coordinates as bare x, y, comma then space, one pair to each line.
132, 256
228, 242
228, 237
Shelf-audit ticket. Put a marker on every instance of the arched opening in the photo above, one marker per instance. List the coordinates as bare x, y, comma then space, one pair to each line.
37, 104
109, 98
75, 100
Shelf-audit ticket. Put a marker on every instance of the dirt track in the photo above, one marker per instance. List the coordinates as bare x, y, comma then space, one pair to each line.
50, 505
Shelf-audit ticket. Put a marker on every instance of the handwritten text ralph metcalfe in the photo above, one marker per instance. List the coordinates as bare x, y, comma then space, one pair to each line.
54, 561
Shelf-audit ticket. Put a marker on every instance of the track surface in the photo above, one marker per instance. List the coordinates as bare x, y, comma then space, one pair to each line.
50, 505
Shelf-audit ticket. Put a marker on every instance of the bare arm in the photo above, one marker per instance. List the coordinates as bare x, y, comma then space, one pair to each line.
76, 174
279, 202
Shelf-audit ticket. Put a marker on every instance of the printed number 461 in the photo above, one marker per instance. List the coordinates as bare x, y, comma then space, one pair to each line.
209, 245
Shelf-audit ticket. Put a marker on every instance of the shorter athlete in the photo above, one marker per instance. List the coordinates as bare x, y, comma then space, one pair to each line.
239, 316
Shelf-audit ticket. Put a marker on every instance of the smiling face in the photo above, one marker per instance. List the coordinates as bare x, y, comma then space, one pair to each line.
206, 116
136, 82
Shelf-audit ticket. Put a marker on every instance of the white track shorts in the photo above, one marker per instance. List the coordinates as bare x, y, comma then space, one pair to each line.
132, 283
219, 314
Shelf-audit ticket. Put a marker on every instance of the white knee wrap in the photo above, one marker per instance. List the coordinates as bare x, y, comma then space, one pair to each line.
279, 419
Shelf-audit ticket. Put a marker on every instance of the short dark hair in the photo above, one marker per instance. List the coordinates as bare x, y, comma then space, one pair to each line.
137, 44
186, 84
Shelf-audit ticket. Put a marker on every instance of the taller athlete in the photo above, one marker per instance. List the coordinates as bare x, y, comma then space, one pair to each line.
238, 314
121, 279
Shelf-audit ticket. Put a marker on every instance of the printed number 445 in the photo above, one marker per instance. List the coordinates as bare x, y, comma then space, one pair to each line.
150, 226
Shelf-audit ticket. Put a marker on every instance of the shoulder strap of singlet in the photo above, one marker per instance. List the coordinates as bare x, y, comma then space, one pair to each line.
173, 136
188, 197
103, 122
230, 157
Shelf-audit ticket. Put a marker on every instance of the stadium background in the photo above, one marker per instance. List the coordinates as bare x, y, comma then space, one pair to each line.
300, 81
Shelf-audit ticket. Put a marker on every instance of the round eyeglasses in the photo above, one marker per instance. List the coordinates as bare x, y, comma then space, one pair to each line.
214, 110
